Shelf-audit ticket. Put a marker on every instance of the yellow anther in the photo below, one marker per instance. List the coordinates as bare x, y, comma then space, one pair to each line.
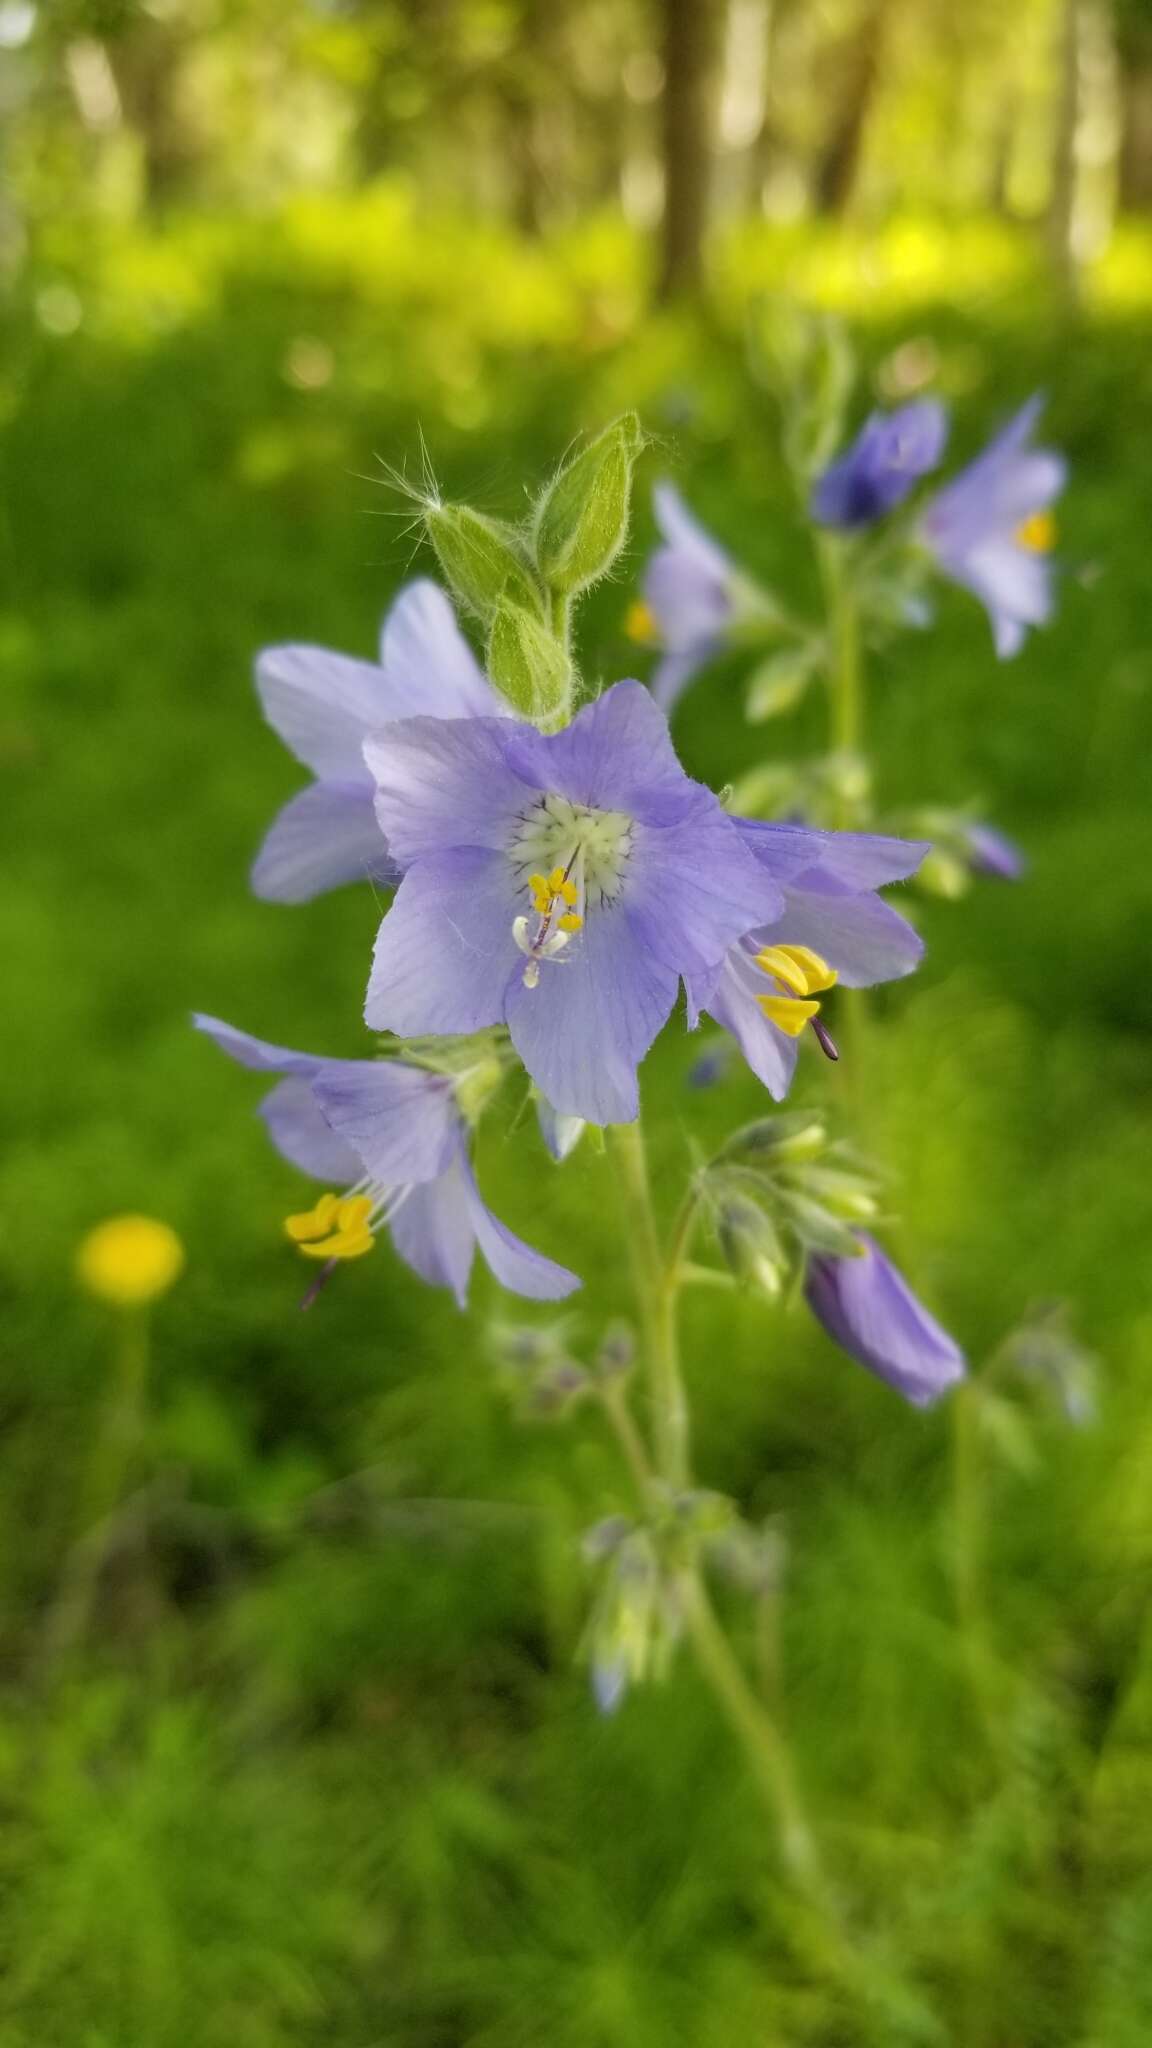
568, 891
556, 881
787, 1013
1037, 533
571, 921
797, 968
541, 904
538, 885
315, 1222
337, 1228
640, 623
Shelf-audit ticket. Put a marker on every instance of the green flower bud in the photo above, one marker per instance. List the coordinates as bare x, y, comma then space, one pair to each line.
842, 1194
794, 1135
943, 874
582, 516
751, 1244
817, 1228
482, 560
781, 681
528, 665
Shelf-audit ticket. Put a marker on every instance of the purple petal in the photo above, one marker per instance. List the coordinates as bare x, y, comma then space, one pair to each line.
856, 933
694, 888
401, 1121
256, 1052
445, 952
561, 1134
682, 530
674, 672
732, 1002
514, 1263
302, 1135
444, 783
321, 705
433, 1232
993, 853
584, 1030
324, 836
888, 457
428, 663
868, 1308
617, 755
859, 860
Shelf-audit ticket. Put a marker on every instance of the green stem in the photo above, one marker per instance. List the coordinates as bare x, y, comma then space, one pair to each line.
968, 1525
656, 1285
846, 681
657, 1279
119, 1433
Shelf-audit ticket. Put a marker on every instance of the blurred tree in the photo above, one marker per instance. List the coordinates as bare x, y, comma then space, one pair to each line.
688, 39
1134, 49
838, 164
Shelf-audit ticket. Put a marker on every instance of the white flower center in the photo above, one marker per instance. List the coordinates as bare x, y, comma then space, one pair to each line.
569, 858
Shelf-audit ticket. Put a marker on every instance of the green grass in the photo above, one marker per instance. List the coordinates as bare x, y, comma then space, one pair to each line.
327, 1770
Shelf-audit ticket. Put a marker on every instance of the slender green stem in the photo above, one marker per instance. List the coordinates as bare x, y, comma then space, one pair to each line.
846, 680
657, 1279
119, 1433
656, 1289
968, 1530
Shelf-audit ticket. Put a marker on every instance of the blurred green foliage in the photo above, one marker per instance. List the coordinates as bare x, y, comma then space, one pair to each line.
324, 1768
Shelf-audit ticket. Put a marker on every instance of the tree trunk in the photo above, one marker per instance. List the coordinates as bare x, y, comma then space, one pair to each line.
838, 165
687, 35
1061, 222
1135, 166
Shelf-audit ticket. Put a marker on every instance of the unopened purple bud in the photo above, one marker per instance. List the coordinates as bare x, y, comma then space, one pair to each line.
868, 1308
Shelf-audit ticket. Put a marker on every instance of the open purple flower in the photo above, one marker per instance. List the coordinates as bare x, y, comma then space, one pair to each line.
868, 1308
887, 459
323, 706
391, 1139
559, 884
832, 927
688, 595
991, 530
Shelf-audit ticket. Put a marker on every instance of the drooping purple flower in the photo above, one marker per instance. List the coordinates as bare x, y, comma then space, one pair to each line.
323, 706
688, 591
391, 1139
559, 884
990, 529
991, 852
890, 454
868, 1308
832, 927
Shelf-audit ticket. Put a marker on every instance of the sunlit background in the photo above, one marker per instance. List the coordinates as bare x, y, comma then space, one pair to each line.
296, 1741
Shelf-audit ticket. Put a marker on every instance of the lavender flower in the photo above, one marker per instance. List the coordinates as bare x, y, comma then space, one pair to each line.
323, 706
560, 884
990, 529
688, 596
832, 927
992, 853
868, 1308
890, 454
391, 1138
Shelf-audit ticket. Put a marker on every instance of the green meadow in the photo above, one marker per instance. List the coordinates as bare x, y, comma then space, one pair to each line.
321, 1765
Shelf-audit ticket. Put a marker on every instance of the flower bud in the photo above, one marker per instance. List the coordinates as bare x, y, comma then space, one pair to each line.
841, 1194
750, 1244
617, 1353
582, 516
817, 1227
781, 681
528, 665
482, 559
795, 1135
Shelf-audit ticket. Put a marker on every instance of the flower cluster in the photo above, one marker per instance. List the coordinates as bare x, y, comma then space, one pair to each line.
559, 878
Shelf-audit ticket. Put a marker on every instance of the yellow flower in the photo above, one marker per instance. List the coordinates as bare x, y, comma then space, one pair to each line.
129, 1260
